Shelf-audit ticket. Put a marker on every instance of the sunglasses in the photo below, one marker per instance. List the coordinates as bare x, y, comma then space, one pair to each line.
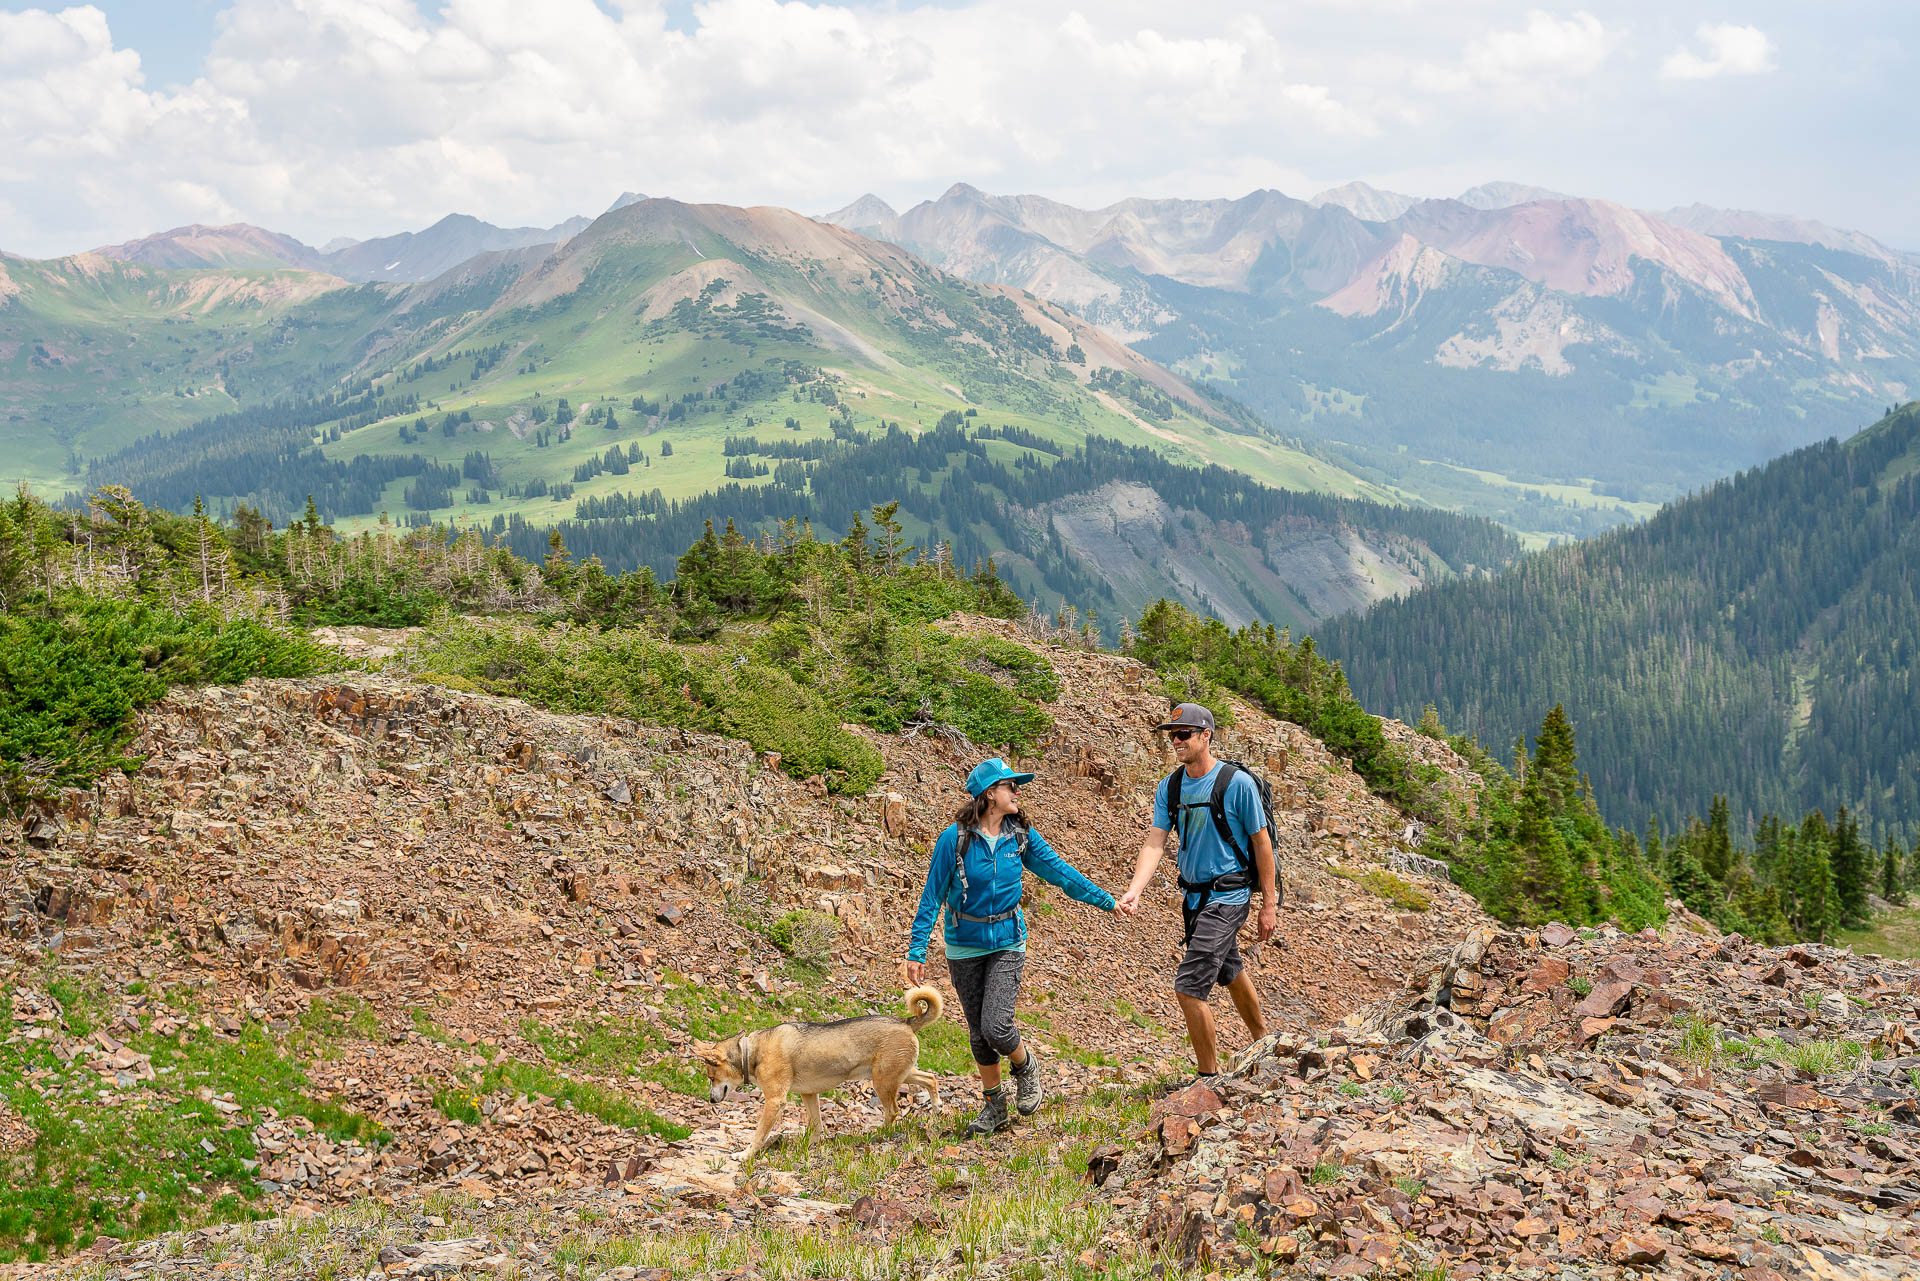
1182, 735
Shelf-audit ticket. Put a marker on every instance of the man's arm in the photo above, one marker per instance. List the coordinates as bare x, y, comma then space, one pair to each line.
1265, 870
1149, 858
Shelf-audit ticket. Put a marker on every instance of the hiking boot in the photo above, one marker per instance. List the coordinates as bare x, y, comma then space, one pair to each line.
993, 1116
1028, 1089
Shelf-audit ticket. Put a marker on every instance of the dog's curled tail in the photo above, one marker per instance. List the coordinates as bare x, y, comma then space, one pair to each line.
926, 1005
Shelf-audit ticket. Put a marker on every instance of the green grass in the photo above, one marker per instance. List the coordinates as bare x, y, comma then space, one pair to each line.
611, 1106
1814, 1057
1701, 1047
1326, 1172
1395, 889
1579, 984
141, 1160
610, 1047
328, 1021
1020, 1207
1893, 934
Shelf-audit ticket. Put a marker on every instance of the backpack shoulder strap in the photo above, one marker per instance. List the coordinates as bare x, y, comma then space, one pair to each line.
1217, 806
1170, 792
962, 841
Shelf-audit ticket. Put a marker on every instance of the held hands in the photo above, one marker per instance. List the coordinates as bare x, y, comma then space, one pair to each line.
1129, 904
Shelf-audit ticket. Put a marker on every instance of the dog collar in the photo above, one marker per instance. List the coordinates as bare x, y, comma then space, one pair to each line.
743, 1050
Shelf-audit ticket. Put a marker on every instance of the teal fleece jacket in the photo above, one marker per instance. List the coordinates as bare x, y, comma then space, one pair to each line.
994, 875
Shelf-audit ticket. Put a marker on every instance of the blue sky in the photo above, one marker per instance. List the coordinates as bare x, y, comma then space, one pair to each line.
360, 117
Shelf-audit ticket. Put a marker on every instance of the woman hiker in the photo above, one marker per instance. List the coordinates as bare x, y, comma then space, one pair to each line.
976, 875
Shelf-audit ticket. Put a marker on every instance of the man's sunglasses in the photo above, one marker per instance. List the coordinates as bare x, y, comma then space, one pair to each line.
1181, 735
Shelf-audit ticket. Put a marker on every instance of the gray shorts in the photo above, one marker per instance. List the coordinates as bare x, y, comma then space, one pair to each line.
1213, 953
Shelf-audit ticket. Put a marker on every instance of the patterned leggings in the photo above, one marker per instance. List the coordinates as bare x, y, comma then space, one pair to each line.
987, 986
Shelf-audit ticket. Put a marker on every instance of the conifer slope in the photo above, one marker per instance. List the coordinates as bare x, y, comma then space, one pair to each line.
1755, 639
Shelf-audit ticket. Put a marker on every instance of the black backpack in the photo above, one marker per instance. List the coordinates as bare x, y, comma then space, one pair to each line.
1216, 804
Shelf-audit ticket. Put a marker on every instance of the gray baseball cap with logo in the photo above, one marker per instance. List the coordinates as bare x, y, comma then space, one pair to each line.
1188, 716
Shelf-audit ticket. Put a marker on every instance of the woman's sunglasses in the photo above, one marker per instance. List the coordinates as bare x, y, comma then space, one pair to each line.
1181, 735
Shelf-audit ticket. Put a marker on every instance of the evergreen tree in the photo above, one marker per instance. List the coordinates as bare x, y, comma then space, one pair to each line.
1544, 885
735, 581
1554, 757
886, 520
557, 569
1892, 887
1807, 880
855, 544
1716, 855
1852, 862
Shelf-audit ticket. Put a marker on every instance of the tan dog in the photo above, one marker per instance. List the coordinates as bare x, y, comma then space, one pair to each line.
810, 1058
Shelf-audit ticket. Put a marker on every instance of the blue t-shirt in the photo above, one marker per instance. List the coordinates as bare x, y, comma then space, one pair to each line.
1203, 855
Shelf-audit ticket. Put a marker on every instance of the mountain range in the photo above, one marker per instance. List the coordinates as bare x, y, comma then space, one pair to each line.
1561, 364
672, 362
1461, 351
1557, 364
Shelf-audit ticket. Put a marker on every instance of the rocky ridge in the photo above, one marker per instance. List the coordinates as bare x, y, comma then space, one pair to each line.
483, 880
1566, 1103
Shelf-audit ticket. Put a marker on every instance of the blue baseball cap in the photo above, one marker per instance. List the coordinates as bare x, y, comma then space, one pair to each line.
990, 771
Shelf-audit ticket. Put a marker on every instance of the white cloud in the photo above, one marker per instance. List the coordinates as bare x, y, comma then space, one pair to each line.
323, 116
363, 117
1730, 51
1540, 59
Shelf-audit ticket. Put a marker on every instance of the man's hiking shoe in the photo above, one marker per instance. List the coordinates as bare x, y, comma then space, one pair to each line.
1028, 1089
993, 1116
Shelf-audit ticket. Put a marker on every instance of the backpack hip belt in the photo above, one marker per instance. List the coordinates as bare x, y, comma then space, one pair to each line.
995, 919
1190, 916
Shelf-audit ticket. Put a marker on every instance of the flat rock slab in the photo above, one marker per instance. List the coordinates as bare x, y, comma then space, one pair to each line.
1576, 1119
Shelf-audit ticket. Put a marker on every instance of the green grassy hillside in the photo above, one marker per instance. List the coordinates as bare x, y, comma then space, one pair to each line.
488, 391
95, 354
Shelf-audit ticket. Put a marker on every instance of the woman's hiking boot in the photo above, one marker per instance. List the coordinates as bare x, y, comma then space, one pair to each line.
1028, 1089
993, 1116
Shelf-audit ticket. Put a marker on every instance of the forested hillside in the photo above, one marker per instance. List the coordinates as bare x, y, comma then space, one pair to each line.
1756, 639
782, 640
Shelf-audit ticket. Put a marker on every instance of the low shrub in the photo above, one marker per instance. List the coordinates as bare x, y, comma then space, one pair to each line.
807, 936
635, 674
73, 673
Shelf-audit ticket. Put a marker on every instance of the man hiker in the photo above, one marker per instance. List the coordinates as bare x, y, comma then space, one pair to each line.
1225, 849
